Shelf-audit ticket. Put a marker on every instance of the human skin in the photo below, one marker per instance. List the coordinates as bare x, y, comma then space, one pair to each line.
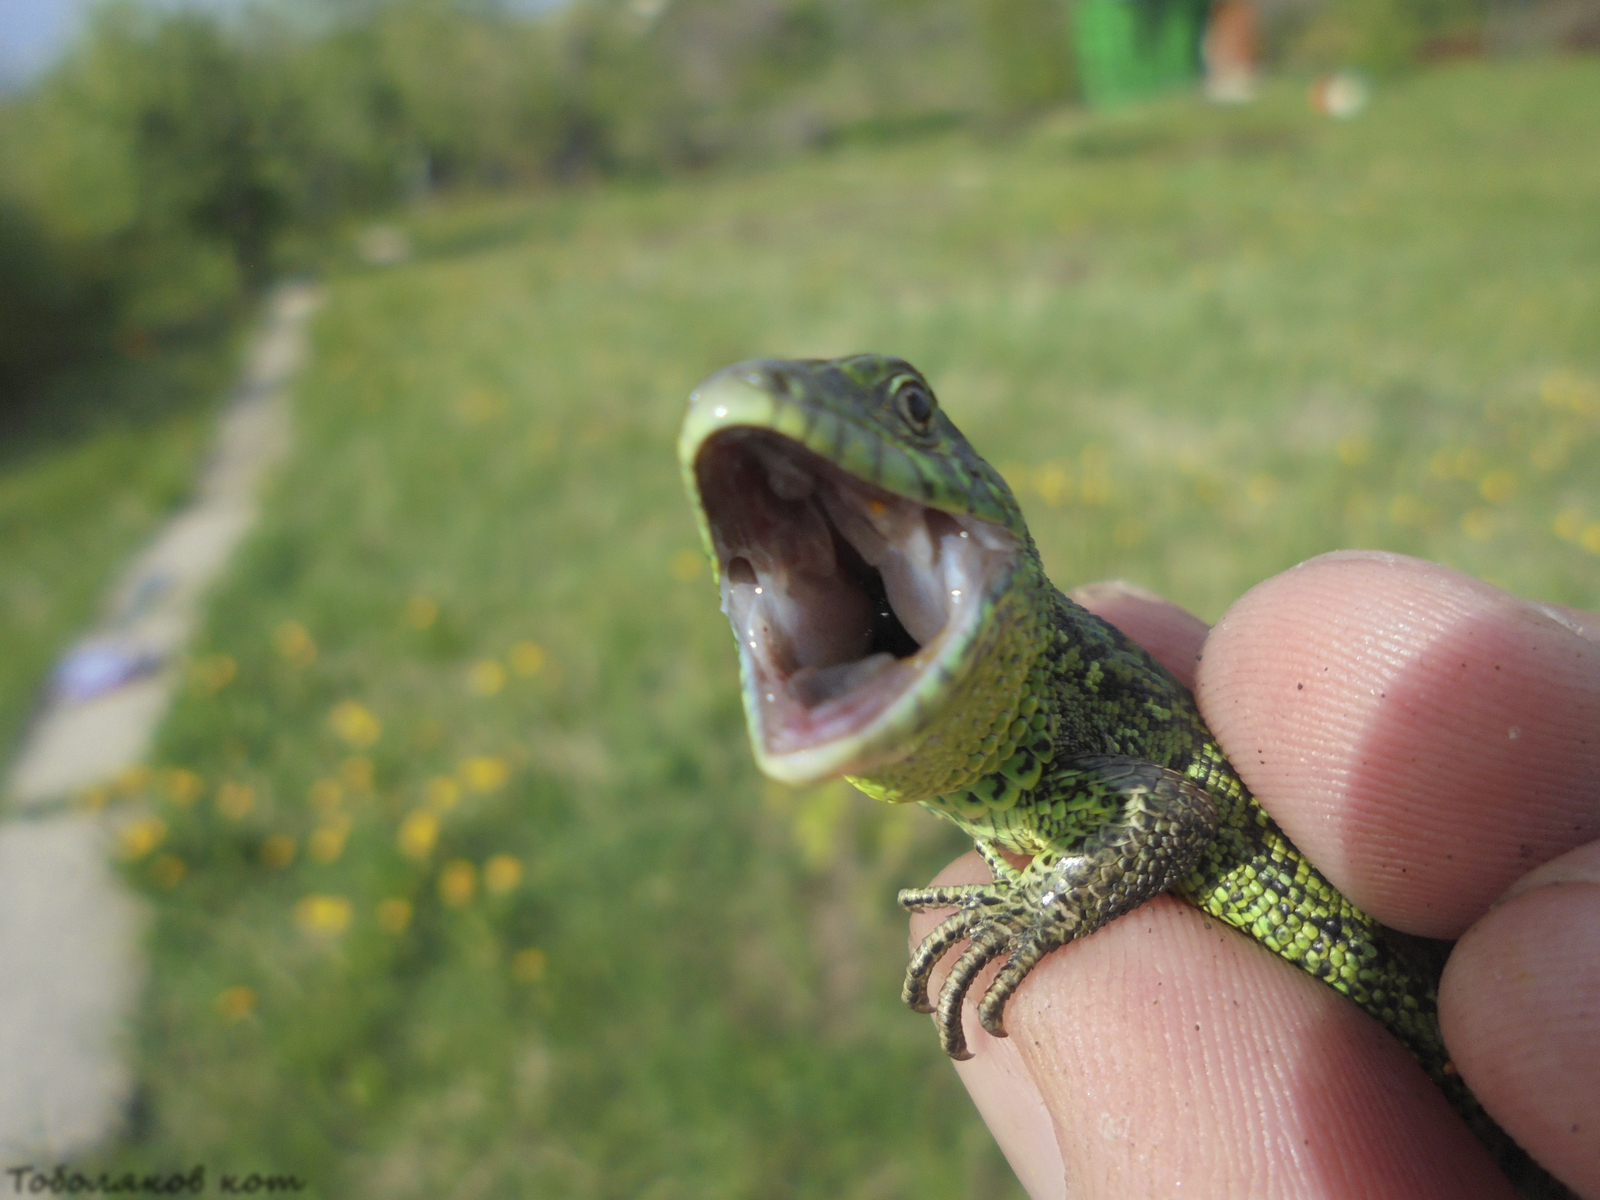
1433, 744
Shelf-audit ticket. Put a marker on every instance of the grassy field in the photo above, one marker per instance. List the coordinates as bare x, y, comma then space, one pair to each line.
87, 471
464, 884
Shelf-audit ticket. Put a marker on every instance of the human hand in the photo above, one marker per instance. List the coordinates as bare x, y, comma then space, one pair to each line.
1433, 744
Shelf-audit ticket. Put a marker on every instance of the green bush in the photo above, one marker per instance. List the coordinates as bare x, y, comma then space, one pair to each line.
1028, 51
54, 304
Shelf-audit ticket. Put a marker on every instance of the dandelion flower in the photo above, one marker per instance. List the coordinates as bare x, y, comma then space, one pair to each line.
457, 882
527, 658
442, 793
278, 851
421, 612
327, 840
529, 965
484, 774
355, 723
685, 566
167, 870
138, 838
486, 677
418, 833
322, 914
183, 786
394, 915
294, 643
235, 800
502, 873
236, 1003
214, 672
356, 773
325, 795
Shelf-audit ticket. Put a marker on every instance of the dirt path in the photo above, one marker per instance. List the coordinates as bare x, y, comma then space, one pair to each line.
69, 962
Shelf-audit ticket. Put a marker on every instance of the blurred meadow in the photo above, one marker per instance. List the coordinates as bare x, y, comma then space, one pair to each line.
463, 883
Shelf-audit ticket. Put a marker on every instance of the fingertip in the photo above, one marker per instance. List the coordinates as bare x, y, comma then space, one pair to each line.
1167, 1054
1422, 735
1002, 1087
1173, 635
1517, 1005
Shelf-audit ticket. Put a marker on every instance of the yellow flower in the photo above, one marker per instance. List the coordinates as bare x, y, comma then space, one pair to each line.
527, 658
484, 774
394, 915
183, 786
325, 795
294, 643
1589, 539
327, 840
1497, 486
131, 780
1262, 489
1568, 390
236, 1003
355, 723
1406, 509
421, 612
529, 965
214, 672
277, 851
486, 677
479, 404
1053, 484
356, 773
322, 914
167, 870
685, 565
1478, 524
235, 800
442, 793
457, 882
1353, 449
418, 833
502, 873
138, 838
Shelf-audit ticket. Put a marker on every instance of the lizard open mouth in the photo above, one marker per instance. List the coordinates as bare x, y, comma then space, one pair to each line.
847, 601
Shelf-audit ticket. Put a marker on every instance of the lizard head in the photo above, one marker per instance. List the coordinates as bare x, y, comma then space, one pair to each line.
868, 561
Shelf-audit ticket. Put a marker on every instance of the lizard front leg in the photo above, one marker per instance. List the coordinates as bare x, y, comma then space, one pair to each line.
1162, 824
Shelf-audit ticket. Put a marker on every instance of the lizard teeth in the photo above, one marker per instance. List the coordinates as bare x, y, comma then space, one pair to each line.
915, 590
842, 595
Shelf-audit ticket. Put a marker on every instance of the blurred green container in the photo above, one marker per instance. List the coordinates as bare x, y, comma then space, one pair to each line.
1132, 48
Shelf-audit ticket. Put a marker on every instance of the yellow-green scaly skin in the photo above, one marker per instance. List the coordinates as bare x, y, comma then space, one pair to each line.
1061, 739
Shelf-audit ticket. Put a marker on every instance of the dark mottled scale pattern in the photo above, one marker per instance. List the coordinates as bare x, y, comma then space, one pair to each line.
1059, 739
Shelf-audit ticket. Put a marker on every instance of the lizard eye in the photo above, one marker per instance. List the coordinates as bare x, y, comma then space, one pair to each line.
915, 403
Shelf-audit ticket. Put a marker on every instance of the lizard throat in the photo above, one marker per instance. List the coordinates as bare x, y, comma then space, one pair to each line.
854, 608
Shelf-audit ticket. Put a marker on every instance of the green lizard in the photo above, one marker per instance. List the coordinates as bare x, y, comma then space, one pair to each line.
896, 627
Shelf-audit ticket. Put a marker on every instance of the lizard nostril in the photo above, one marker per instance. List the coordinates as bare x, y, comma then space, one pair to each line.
779, 381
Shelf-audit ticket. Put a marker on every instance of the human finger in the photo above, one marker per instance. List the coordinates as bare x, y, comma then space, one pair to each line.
1425, 738
1517, 1005
1169, 1055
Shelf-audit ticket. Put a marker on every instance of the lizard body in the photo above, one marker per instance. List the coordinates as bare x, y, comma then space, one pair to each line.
896, 626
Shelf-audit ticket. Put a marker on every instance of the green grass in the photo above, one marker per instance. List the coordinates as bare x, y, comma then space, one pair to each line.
1204, 343
88, 468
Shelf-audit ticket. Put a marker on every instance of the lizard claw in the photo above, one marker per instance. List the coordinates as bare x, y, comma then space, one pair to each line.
1166, 820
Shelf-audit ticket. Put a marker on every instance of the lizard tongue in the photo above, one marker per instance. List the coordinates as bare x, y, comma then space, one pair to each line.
837, 590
